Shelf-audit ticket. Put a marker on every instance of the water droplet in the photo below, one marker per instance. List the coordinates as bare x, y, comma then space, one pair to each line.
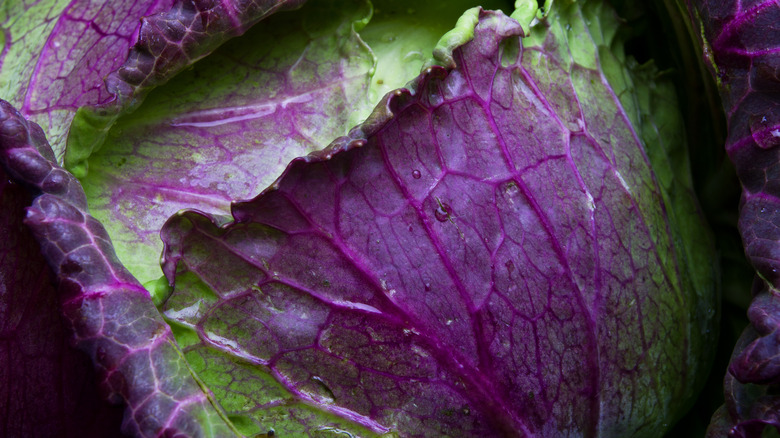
427, 287
763, 209
328, 392
590, 202
334, 431
414, 55
443, 212
416, 174
765, 133
511, 188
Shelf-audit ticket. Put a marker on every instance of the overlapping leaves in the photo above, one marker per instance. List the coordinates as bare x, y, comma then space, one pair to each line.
451, 265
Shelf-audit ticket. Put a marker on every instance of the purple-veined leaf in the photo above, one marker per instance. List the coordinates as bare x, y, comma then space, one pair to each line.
489, 254
110, 315
47, 388
167, 43
227, 128
101, 58
740, 43
55, 55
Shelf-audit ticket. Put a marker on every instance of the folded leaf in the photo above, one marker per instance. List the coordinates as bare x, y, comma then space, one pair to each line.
225, 129
49, 388
110, 315
167, 43
741, 45
54, 55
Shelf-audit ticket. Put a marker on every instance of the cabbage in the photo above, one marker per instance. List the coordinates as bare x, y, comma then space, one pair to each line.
507, 245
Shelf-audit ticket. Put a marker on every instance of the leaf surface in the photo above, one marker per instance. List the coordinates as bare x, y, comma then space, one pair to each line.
110, 316
55, 54
227, 128
48, 388
489, 254
167, 43
740, 42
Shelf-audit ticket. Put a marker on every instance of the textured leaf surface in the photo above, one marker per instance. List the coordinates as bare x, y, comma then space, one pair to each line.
167, 43
55, 54
451, 267
110, 315
226, 129
47, 388
741, 45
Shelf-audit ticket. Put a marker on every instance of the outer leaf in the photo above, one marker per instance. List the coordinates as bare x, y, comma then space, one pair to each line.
167, 43
227, 128
741, 45
488, 255
54, 55
110, 314
47, 388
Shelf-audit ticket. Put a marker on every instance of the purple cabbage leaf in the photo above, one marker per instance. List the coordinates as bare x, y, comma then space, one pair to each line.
166, 43
451, 266
55, 54
83, 45
48, 388
740, 44
509, 246
109, 314
227, 128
